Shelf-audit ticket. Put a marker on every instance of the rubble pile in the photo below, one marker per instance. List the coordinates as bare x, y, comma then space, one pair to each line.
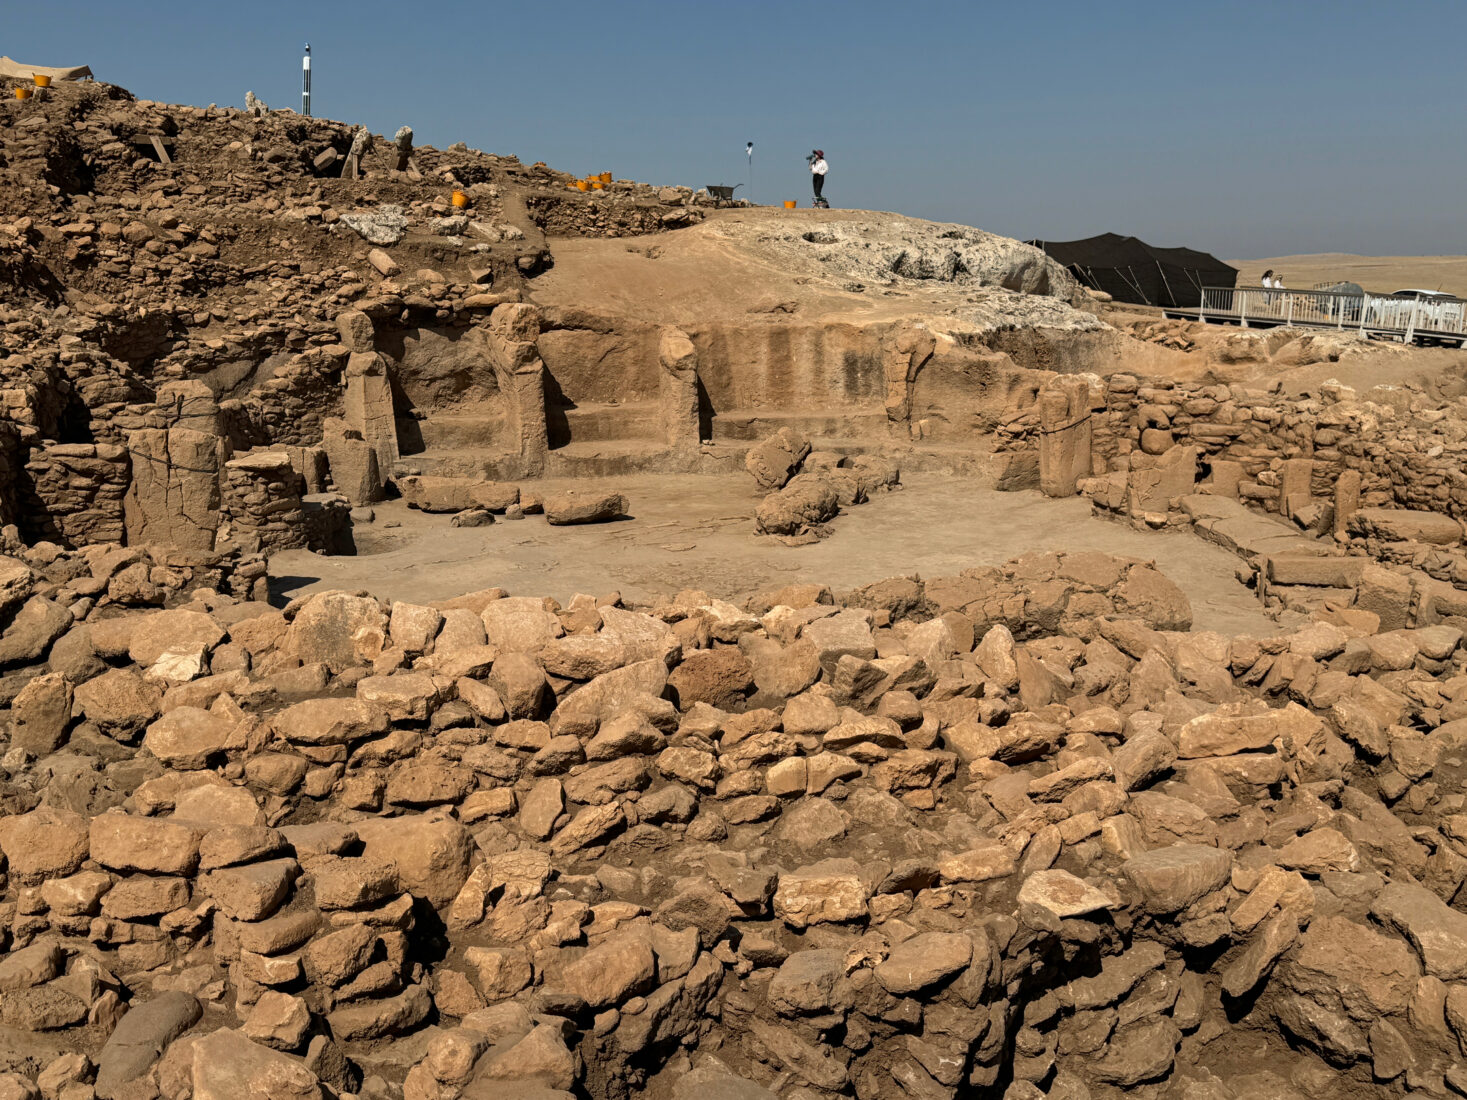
1017, 832
809, 487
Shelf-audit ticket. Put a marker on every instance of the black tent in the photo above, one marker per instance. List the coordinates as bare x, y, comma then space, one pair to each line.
1130, 270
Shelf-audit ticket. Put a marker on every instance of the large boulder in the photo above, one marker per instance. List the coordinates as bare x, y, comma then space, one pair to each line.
46, 843
119, 701
337, 629
806, 501
41, 713
177, 631
432, 854
1405, 525
456, 494
564, 509
1170, 879
141, 1037
228, 1066
774, 461
38, 623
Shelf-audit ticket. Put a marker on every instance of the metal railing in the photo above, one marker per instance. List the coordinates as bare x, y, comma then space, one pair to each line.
1407, 318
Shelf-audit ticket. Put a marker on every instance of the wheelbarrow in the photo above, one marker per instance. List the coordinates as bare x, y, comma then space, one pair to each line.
722, 193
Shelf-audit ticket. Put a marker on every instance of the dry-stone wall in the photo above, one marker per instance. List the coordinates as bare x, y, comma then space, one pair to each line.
77, 492
1013, 833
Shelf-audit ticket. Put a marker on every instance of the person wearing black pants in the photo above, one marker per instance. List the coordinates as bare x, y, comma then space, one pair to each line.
818, 168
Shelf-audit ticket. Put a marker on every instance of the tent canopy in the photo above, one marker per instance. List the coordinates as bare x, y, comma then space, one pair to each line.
14, 70
1130, 270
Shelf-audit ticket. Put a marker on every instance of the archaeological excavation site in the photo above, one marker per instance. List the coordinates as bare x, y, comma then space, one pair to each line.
468, 633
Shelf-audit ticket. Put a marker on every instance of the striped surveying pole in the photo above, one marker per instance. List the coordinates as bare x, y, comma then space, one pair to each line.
306, 82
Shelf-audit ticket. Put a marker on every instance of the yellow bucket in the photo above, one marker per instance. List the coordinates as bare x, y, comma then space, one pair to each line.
582, 185
22, 93
605, 177
41, 80
789, 204
460, 200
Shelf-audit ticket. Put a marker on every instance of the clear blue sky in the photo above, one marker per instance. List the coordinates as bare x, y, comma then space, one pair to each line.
1244, 128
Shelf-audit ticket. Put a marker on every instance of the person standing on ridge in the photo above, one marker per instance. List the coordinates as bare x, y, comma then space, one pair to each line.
818, 168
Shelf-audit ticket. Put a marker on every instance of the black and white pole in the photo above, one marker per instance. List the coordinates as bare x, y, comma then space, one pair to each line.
306, 82
749, 152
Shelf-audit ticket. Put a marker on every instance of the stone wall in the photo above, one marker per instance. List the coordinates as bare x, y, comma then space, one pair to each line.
289, 407
1408, 450
76, 493
262, 502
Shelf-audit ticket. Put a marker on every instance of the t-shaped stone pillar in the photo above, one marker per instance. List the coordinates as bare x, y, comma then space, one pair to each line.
174, 495
189, 404
353, 462
367, 407
1064, 435
678, 396
901, 362
514, 328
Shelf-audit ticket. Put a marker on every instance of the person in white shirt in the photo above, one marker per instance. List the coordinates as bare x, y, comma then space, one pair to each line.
818, 168
1268, 279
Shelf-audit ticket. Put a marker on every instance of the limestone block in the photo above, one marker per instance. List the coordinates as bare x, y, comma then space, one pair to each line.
1347, 498
1065, 435
354, 463
1154, 486
189, 404
174, 497
678, 391
356, 330
368, 405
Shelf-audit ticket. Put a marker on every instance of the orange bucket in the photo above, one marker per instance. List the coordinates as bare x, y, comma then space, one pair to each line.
582, 185
460, 200
597, 184
789, 204
605, 177
22, 93
41, 80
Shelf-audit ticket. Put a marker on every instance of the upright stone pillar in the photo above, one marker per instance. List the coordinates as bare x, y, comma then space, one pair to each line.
174, 493
1064, 435
1347, 499
353, 462
678, 396
901, 362
514, 328
367, 406
1295, 477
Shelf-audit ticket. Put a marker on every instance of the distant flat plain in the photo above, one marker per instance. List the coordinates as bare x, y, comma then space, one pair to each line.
1381, 274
